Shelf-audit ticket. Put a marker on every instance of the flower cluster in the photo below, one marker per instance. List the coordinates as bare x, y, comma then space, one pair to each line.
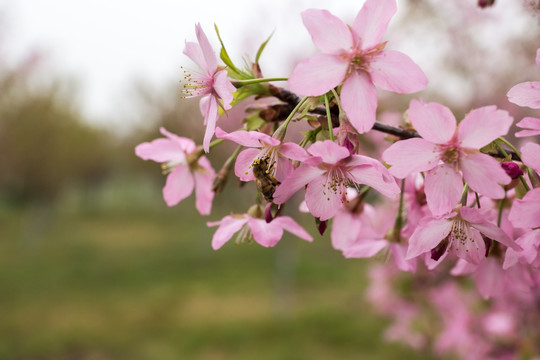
445, 194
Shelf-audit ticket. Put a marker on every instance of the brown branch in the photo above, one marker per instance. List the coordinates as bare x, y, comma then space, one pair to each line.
292, 99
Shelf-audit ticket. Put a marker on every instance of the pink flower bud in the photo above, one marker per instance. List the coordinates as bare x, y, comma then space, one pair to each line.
512, 169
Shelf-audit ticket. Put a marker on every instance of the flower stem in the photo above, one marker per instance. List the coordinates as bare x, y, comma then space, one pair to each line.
509, 144
501, 206
329, 117
399, 218
240, 83
280, 132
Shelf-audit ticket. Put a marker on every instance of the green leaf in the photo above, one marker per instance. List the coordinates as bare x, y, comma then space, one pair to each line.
223, 53
261, 48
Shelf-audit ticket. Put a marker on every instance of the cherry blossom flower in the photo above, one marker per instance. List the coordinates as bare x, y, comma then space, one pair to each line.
263, 146
527, 93
185, 171
459, 232
354, 55
328, 172
212, 83
252, 227
445, 149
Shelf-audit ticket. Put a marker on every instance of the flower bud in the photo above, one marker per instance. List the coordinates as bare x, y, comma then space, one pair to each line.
512, 169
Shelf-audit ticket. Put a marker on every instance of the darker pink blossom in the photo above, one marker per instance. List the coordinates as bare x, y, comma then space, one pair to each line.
327, 174
446, 150
355, 56
459, 232
212, 83
184, 174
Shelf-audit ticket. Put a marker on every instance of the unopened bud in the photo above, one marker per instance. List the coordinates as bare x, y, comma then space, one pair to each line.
512, 169
439, 250
485, 3
321, 226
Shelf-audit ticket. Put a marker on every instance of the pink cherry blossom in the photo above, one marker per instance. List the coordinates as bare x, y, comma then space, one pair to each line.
444, 150
212, 83
530, 242
530, 155
263, 146
266, 234
459, 232
527, 93
327, 174
175, 152
355, 56
525, 213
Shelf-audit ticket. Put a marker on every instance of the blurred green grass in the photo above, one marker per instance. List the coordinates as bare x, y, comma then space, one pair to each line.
140, 281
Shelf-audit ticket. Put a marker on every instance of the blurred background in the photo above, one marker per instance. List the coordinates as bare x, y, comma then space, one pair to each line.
94, 265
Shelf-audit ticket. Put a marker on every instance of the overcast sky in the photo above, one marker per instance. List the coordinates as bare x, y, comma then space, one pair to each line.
106, 44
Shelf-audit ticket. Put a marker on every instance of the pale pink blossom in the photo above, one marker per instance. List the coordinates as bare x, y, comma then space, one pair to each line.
446, 150
525, 213
263, 146
174, 153
327, 174
212, 83
530, 155
355, 56
264, 233
531, 126
527, 93
530, 242
459, 232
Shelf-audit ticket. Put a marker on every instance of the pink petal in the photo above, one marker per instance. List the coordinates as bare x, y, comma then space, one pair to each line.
247, 138
443, 187
371, 22
293, 151
321, 200
208, 53
376, 177
494, 232
242, 167
291, 226
398, 253
186, 144
345, 230
328, 151
525, 213
469, 245
295, 181
511, 258
194, 52
160, 150
394, 71
529, 123
210, 117
317, 75
410, 156
483, 125
484, 174
525, 94
204, 178
224, 88
328, 32
525, 133
228, 226
365, 249
266, 234
463, 267
434, 122
359, 100
530, 154
283, 168
427, 236
538, 58
178, 186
